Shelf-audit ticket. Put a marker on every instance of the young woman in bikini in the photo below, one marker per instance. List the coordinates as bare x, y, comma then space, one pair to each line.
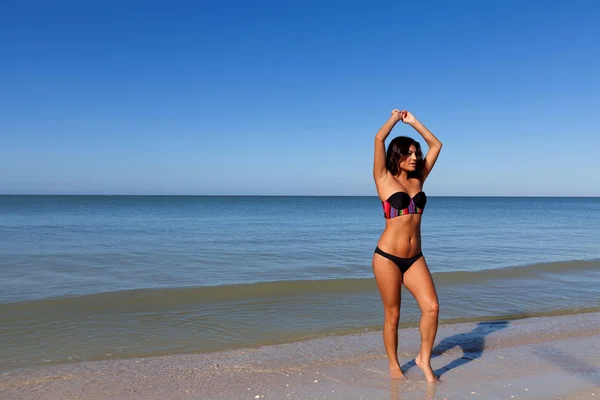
399, 175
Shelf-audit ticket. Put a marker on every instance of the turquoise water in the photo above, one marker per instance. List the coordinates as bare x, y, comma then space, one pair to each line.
94, 277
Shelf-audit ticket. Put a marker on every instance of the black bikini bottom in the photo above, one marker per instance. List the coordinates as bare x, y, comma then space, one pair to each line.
403, 263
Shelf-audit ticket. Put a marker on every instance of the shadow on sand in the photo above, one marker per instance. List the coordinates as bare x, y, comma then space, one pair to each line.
471, 343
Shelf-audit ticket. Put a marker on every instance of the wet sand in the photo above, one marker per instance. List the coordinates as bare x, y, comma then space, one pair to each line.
535, 358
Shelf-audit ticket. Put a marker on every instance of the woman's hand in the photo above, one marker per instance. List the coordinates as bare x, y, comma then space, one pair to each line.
396, 115
407, 117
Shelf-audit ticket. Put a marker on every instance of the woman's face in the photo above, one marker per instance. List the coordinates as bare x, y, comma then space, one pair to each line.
408, 162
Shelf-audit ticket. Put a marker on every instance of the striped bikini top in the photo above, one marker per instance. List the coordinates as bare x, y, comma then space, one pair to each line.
400, 203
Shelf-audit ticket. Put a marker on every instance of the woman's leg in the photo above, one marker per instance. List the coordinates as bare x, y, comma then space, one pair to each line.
420, 284
389, 282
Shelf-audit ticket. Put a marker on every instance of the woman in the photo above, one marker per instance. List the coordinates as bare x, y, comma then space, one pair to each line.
398, 260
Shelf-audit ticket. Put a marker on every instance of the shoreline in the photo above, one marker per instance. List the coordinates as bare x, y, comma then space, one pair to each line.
536, 357
302, 337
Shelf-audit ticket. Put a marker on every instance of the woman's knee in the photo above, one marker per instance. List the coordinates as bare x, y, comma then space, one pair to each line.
392, 316
432, 308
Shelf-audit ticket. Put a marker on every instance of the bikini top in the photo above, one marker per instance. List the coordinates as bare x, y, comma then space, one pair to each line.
400, 203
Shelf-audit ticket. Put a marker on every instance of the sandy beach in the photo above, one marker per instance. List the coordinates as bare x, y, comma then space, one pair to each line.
535, 358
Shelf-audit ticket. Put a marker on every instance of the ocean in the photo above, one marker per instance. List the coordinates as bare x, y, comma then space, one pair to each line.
104, 277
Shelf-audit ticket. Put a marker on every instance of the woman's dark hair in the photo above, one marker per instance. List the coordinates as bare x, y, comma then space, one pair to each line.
397, 150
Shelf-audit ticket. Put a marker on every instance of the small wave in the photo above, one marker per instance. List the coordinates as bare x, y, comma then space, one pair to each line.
169, 298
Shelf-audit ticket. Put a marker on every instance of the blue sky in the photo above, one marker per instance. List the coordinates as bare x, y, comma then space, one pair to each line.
285, 97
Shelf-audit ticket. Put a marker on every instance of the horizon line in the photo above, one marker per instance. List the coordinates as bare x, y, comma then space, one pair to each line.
281, 195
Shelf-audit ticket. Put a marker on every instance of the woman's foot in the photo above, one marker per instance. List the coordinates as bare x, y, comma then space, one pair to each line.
396, 372
426, 368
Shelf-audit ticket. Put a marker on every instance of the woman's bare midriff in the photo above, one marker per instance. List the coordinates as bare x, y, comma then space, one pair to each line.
402, 236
